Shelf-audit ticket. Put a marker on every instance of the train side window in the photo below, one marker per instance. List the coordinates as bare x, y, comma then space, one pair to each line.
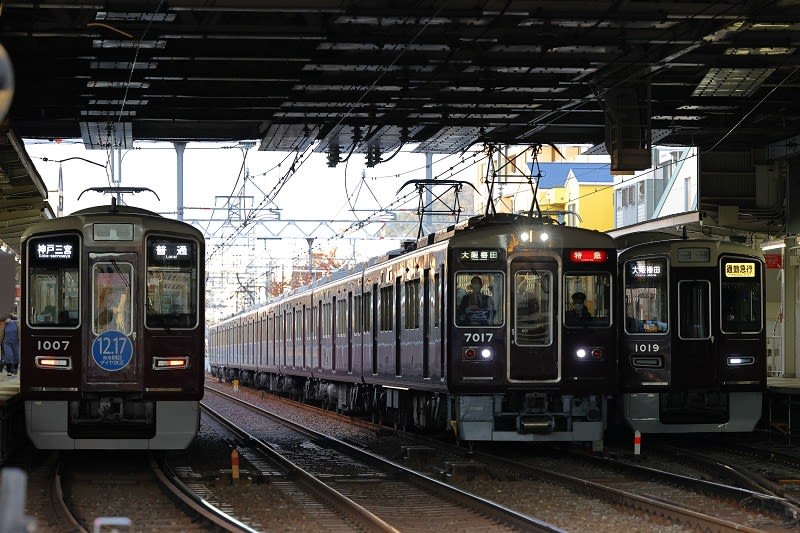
480, 298
587, 299
646, 295
741, 295
694, 304
53, 281
172, 284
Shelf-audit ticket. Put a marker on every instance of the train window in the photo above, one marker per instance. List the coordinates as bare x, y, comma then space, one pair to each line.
588, 300
479, 298
358, 315
112, 288
412, 304
533, 308
741, 295
53, 281
172, 285
646, 296
387, 308
694, 304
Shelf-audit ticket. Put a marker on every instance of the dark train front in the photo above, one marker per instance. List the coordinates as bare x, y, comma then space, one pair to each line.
693, 347
112, 327
539, 364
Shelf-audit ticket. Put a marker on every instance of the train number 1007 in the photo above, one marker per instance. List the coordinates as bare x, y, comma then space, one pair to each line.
56, 345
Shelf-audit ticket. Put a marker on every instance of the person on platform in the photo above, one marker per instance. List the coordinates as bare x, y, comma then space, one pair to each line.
11, 344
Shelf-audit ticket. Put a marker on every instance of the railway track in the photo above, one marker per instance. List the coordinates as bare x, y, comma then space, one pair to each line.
643, 494
402, 498
82, 491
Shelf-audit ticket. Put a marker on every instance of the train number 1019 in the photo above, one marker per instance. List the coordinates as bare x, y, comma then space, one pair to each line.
646, 347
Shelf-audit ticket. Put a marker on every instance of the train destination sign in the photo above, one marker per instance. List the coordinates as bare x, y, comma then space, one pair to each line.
641, 269
54, 250
478, 255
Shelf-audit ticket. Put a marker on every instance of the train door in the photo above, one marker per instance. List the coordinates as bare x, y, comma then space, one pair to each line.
113, 333
533, 353
693, 361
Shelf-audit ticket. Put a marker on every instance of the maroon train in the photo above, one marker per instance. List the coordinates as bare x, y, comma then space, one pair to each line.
470, 330
112, 330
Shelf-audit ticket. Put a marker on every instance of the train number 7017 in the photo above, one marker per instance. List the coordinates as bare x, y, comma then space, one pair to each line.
474, 338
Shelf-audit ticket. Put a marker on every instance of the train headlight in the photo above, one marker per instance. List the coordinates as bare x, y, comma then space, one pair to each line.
741, 360
171, 363
472, 353
54, 363
581, 353
527, 236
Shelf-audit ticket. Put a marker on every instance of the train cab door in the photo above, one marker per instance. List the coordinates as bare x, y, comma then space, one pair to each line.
693, 361
533, 350
113, 332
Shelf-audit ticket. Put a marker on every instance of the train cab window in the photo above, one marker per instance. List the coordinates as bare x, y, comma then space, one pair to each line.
479, 298
741, 295
112, 289
588, 299
53, 281
646, 296
533, 310
172, 284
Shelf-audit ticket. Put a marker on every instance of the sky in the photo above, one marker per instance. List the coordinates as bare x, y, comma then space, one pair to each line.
214, 171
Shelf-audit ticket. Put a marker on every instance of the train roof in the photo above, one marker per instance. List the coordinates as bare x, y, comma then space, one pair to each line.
115, 209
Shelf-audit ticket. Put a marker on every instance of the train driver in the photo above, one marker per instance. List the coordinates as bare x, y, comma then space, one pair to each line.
475, 307
578, 311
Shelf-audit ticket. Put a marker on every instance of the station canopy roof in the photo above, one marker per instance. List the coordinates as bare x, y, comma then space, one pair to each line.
350, 76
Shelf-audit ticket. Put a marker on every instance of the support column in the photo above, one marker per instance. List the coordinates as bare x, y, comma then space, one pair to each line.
179, 148
790, 306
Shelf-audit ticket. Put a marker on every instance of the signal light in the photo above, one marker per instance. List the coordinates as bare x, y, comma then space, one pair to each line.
597, 353
472, 353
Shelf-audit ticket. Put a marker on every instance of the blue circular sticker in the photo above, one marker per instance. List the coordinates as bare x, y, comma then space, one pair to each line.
112, 350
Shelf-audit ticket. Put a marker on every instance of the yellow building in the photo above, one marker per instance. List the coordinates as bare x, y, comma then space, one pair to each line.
577, 193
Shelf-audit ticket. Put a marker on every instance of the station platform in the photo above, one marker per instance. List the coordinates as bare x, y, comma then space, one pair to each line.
782, 405
12, 416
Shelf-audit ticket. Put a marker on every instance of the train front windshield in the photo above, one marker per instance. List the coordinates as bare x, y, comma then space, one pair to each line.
646, 296
480, 298
741, 295
172, 285
53, 281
